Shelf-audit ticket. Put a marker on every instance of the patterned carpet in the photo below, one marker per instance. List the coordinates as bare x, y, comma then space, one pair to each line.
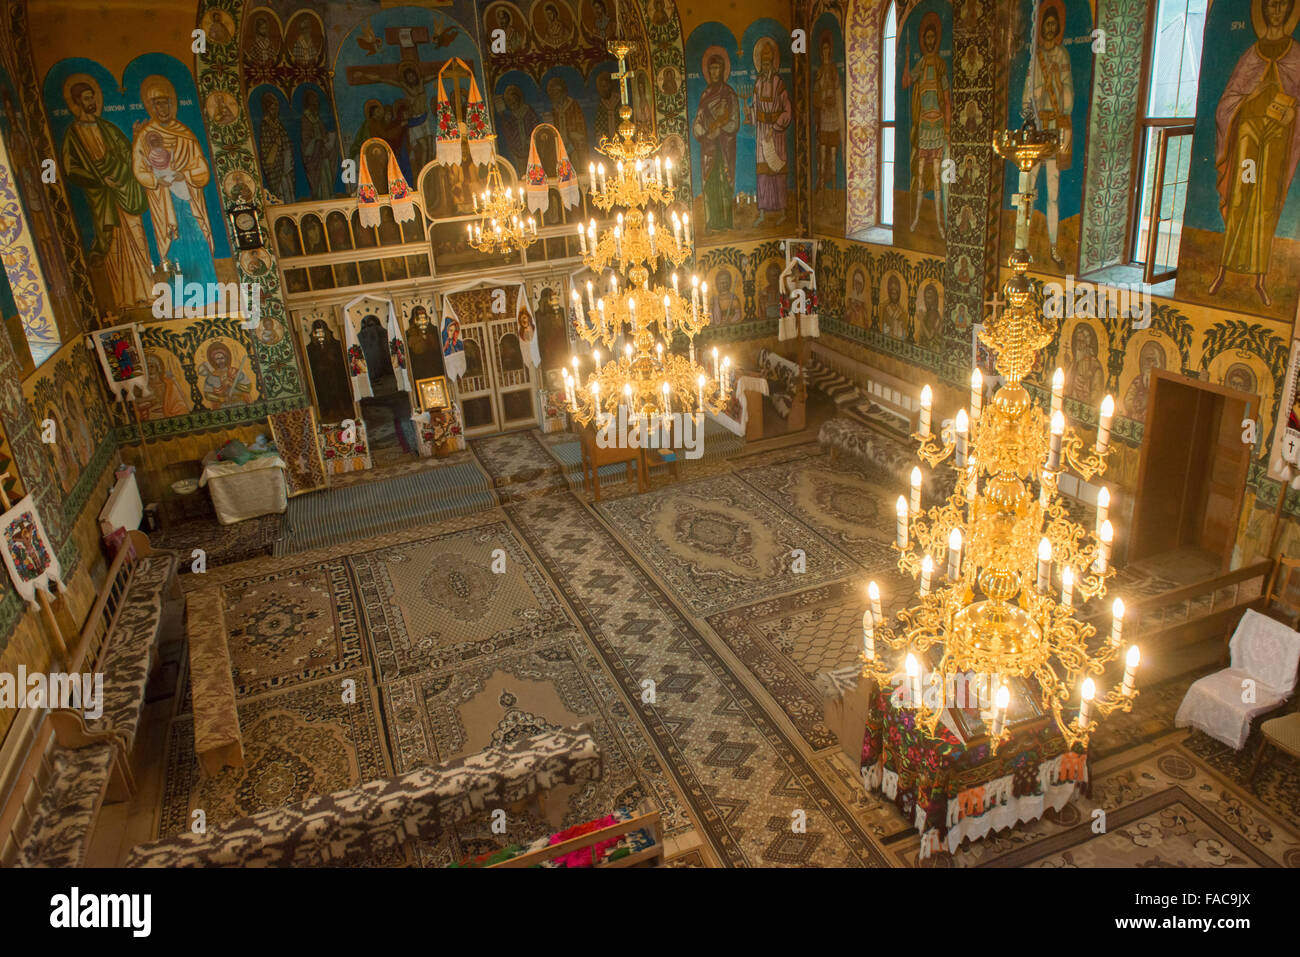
222, 544
675, 625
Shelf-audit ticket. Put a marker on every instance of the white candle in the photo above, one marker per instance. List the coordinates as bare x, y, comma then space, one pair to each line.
618, 241
972, 485
1067, 586
1117, 622
704, 298
699, 383
873, 593
726, 375
1104, 537
677, 238
1103, 424
901, 510
976, 394
1054, 453
676, 291
1131, 661
868, 636
686, 228
927, 571
659, 170
963, 430
600, 176
582, 236
668, 407
715, 362
1003, 700
913, 669
954, 554
577, 307
668, 170
1058, 389
1044, 566
916, 490
926, 398
591, 173
651, 231
1085, 701
1103, 506
595, 398
600, 308
668, 316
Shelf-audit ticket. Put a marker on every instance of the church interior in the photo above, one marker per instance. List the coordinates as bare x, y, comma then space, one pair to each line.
628, 433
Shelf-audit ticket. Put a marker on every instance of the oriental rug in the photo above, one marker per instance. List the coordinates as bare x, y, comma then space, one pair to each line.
295, 433
513, 457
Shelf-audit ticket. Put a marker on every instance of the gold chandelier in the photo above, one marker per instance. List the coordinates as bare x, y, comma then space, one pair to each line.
1000, 568
648, 378
504, 224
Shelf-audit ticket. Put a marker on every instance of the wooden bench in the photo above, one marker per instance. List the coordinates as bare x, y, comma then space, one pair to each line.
593, 457
217, 741
58, 767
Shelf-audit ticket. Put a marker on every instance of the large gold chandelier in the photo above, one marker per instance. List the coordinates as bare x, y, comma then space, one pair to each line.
504, 223
630, 309
1001, 568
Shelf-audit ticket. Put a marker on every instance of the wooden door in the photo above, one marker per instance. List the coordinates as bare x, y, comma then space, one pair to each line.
515, 378
475, 389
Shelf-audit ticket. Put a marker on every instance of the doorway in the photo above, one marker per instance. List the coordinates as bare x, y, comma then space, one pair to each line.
1191, 476
498, 391
387, 412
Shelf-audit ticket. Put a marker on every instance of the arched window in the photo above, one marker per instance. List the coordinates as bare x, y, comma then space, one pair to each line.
1175, 34
885, 139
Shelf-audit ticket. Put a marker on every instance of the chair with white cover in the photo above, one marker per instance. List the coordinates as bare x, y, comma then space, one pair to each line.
1264, 651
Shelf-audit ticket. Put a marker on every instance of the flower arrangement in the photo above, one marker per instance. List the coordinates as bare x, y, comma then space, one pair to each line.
356, 360
398, 348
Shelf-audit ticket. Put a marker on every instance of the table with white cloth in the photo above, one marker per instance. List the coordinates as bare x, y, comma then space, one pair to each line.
240, 492
746, 384
952, 786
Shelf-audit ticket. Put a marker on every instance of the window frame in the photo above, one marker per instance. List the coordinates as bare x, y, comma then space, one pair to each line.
881, 123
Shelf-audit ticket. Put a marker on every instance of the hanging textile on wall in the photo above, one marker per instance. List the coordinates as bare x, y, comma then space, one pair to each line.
397, 348
453, 347
798, 285
537, 191
31, 561
527, 331
357, 368
295, 433
345, 449
399, 196
478, 134
122, 359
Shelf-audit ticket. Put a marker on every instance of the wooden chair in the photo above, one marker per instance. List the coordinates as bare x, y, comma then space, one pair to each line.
1282, 733
1283, 600
593, 457
670, 456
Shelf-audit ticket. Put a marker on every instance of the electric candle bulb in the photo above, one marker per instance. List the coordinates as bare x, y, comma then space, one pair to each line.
715, 362
1131, 661
976, 393
927, 570
1103, 506
1105, 535
1054, 453
668, 171
1067, 586
1116, 622
676, 291
1103, 424
1086, 694
704, 297
873, 592
1058, 389
1003, 700
954, 553
627, 351
916, 489
913, 669
901, 510
963, 430
868, 636
1044, 566
668, 315
595, 357
927, 397
667, 401
699, 385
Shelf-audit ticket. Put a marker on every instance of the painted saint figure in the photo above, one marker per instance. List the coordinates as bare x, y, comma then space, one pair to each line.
275, 151
329, 375
931, 118
515, 125
175, 194
567, 117
423, 345
222, 385
319, 148
1049, 95
771, 115
717, 121
828, 106
1150, 358
893, 317
726, 304
1255, 123
856, 307
96, 156
1086, 376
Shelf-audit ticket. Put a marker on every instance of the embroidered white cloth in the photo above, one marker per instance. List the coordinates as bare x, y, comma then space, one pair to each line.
28, 555
1265, 655
397, 346
240, 492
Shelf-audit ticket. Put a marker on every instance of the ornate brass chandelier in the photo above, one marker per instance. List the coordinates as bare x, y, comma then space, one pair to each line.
631, 310
504, 223
1016, 563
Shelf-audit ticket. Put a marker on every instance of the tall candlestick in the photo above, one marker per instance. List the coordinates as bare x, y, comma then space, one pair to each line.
1058, 389
873, 593
868, 636
1117, 622
1085, 702
1104, 538
1067, 586
1054, 452
1103, 424
1131, 661
1103, 506
927, 397
1044, 566
954, 554
916, 489
901, 509
963, 431
927, 570
976, 394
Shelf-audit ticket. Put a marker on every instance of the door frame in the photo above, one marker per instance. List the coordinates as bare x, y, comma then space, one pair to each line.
1164, 375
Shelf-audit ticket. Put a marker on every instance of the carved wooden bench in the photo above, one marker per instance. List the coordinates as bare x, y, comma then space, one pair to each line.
217, 740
